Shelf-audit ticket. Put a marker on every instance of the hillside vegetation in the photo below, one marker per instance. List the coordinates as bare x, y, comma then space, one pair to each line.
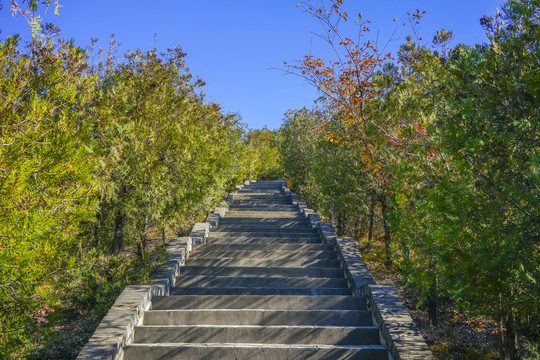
434, 155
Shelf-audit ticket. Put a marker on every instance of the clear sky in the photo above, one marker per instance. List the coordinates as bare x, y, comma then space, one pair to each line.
232, 44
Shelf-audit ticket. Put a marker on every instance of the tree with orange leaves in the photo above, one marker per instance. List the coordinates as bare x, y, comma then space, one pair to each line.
347, 83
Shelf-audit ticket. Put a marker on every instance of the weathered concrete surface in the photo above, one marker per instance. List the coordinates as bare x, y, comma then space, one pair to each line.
254, 351
199, 233
194, 302
256, 334
258, 316
397, 327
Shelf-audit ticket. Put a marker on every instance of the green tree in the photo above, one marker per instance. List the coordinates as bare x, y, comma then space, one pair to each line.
491, 132
47, 186
264, 154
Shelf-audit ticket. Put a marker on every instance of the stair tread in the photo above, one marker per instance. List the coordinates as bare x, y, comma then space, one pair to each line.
259, 345
276, 302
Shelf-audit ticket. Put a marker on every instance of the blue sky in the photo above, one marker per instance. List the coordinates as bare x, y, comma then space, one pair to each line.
233, 44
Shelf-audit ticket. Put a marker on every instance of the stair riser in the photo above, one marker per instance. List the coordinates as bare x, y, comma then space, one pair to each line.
264, 222
261, 201
264, 255
151, 352
260, 272
257, 334
263, 247
293, 215
244, 195
263, 241
225, 281
265, 234
258, 291
258, 317
269, 209
265, 228
259, 302
265, 263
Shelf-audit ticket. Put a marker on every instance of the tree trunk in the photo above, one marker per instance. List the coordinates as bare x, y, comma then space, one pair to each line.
500, 335
97, 226
118, 232
511, 335
332, 217
141, 246
371, 218
164, 235
386, 226
432, 298
340, 224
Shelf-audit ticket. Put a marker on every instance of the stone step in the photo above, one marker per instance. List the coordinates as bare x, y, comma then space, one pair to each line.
262, 287
328, 335
224, 224
243, 291
261, 271
258, 317
258, 193
287, 247
182, 351
265, 214
247, 193
285, 263
265, 208
263, 234
262, 200
259, 282
290, 302
303, 239
265, 229
263, 254
281, 222
262, 204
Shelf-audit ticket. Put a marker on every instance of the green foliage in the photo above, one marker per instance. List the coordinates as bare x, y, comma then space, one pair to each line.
95, 162
166, 155
297, 146
46, 185
491, 132
328, 176
263, 154
446, 165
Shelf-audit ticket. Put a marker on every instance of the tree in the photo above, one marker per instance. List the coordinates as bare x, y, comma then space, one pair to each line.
264, 158
491, 132
47, 186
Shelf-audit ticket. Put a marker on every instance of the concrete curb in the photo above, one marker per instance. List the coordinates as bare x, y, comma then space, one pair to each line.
396, 328
115, 329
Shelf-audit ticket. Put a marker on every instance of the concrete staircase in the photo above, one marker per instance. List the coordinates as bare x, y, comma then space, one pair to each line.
263, 286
